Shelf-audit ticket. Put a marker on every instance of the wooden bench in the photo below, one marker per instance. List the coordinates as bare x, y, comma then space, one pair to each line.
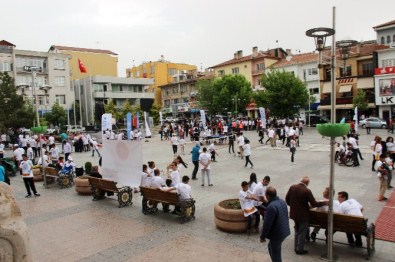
345, 223
153, 196
64, 180
101, 186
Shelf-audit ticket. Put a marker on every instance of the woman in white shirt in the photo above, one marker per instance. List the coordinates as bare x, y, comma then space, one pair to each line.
376, 147
252, 183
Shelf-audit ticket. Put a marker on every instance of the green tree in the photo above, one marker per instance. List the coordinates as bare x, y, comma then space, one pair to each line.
126, 108
224, 94
284, 93
360, 101
111, 108
57, 116
155, 109
14, 112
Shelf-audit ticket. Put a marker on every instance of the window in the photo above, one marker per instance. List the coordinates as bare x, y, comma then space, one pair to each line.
167, 103
60, 80
235, 70
175, 101
59, 64
41, 100
382, 40
60, 99
393, 38
260, 66
388, 62
137, 73
5, 67
221, 72
388, 39
172, 71
97, 88
174, 90
314, 91
327, 73
152, 70
367, 69
345, 71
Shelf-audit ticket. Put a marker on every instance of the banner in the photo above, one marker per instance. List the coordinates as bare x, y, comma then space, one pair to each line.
106, 122
161, 118
128, 124
203, 118
122, 161
356, 119
138, 120
147, 130
263, 116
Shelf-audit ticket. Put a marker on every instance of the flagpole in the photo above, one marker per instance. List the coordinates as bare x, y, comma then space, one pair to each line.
74, 113
79, 92
86, 102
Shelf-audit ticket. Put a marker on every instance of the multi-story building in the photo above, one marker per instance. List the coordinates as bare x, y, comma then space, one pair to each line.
385, 33
163, 73
179, 98
353, 74
50, 82
304, 66
97, 90
96, 61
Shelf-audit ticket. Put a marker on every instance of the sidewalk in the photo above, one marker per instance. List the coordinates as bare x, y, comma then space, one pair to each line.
65, 226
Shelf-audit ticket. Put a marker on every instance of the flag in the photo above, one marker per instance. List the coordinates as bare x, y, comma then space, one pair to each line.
128, 124
147, 130
263, 116
81, 66
356, 119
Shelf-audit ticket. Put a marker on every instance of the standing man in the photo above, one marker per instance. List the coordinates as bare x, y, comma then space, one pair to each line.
195, 159
275, 225
240, 142
27, 174
174, 143
260, 193
66, 149
205, 161
232, 143
300, 198
355, 149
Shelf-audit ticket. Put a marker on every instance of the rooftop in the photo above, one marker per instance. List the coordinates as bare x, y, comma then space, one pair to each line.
78, 49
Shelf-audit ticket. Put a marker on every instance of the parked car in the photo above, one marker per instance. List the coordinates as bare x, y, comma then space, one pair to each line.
313, 120
373, 122
73, 129
170, 119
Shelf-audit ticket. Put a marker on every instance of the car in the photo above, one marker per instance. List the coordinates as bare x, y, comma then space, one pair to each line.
373, 122
170, 119
73, 129
313, 120
51, 131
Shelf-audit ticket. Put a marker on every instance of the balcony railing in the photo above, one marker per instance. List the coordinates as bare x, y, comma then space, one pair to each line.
258, 72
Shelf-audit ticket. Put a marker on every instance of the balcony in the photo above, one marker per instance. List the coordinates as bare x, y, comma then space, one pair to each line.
258, 72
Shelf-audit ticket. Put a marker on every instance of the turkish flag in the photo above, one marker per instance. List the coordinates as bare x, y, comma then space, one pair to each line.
81, 66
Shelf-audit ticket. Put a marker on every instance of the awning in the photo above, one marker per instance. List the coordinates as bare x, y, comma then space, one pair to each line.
327, 88
343, 106
345, 88
364, 83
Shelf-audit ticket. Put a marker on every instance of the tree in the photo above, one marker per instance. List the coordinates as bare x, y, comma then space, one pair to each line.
57, 116
111, 108
360, 101
284, 93
126, 108
155, 109
14, 112
224, 94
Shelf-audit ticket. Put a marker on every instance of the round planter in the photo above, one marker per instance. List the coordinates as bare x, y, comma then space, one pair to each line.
82, 186
229, 220
37, 176
333, 130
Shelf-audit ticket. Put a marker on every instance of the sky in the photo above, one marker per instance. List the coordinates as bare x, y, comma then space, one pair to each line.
202, 33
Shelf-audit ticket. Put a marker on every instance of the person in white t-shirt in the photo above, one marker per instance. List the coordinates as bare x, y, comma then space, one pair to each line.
240, 142
156, 180
260, 193
354, 208
205, 161
174, 143
246, 199
247, 153
27, 174
184, 192
2, 149
173, 174
18, 153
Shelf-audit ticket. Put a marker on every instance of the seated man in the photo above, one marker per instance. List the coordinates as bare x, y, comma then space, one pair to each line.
68, 166
95, 172
184, 192
354, 208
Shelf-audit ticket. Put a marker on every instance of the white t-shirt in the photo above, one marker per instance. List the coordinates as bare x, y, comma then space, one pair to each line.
26, 167
46, 161
353, 142
174, 140
1, 148
145, 180
175, 178
29, 153
259, 191
51, 140
351, 207
376, 148
184, 191
18, 153
270, 133
247, 205
157, 182
247, 149
336, 206
240, 140
204, 159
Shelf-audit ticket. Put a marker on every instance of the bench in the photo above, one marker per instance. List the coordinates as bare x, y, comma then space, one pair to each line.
347, 224
64, 180
100, 186
153, 196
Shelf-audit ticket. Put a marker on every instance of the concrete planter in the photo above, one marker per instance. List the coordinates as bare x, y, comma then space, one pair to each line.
82, 186
229, 220
37, 176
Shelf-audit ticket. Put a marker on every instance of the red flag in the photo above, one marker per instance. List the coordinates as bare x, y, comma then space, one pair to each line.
81, 66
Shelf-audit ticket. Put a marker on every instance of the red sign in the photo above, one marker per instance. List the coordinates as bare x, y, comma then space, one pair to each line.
384, 70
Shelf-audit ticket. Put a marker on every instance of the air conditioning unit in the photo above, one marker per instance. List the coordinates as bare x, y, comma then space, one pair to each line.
392, 45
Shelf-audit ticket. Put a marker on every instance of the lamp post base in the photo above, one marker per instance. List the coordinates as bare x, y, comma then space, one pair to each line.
324, 257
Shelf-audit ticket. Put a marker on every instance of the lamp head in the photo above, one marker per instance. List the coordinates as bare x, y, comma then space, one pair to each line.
345, 46
320, 34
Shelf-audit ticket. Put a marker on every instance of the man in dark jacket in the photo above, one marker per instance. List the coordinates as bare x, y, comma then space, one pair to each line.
276, 224
298, 198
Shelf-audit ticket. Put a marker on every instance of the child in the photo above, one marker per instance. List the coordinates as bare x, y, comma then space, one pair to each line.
27, 173
247, 205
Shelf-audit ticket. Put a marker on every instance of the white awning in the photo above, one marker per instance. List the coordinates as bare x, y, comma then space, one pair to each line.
364, 83
327, 88
345, 88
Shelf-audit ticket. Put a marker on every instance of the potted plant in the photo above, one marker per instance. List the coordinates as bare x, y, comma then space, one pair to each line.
229, 217
88, 168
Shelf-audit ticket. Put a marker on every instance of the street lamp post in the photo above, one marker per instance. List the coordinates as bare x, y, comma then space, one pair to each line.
235, 99
320, 35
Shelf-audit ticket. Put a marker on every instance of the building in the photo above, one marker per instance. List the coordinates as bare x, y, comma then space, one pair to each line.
163, 72
51, 78
96, 61
354, 74
385, 33
95, 91
305, 67
179, 98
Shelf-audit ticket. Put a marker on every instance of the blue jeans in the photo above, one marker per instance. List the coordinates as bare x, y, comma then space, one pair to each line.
274, 247
300, 234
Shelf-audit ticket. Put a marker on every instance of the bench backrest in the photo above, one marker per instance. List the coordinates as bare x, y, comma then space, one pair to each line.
51, 171
159, 195
104, 184
341, 222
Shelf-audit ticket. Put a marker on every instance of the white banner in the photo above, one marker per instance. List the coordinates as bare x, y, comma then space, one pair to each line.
122, 161
263, 116
106, 122
356, 119
147, 130
203, 118
160, 118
